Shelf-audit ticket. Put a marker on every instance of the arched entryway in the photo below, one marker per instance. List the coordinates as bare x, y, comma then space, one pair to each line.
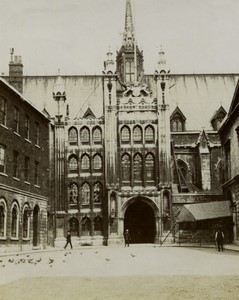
35, 225
140, 220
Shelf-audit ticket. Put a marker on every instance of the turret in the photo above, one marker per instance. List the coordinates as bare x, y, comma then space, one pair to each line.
59, 96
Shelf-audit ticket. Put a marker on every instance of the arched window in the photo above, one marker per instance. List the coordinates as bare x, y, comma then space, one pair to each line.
85, 226
97, 162
26, 222
14, 221
98, 192
149, 166
125, 135
74, 226
3, 218
73, 164
138, 171
183, 169
85, 193
137, 135
98, 226
177, 122
97, 136
73, 136
149, 134
73, 193
126, 167
85, 136
85, 163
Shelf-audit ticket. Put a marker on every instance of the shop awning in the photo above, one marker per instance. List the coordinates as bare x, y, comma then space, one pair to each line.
203, 211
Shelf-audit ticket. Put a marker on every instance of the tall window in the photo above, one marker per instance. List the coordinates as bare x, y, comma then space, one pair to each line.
85, 136
97, 136
149, 166
98, 226
129, 71
27, 127
37, 133
138, 172
85, 163
137, 134
126, 167
25, 224
85, 226
2, 159
16, 119
97, 162
149, 134
73, 164
73, 193
73, 136
36, 173
15, 164
125, 135
97, 192
3, 215
3, 110
26, 170
14, 222
85, 193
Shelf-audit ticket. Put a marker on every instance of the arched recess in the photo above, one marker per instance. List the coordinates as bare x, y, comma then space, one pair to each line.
98, 226
3, 218
97, 135
85, 226
26, 221
140, 216
74, 227
125, 135
36, 227
73, 136
15, 220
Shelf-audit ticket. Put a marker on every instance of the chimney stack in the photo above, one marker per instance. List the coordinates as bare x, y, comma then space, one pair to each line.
16, 71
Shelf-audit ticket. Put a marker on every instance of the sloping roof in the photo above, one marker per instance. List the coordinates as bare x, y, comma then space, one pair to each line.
197, 95
20, 96
203, 211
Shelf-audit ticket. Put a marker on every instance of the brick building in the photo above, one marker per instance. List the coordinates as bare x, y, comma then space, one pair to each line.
24, 163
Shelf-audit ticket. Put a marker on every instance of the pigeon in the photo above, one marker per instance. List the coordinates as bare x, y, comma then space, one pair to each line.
51, 260
132, 255
38, 260
3, 266
96, 252
11, 260
63, 261
108, 259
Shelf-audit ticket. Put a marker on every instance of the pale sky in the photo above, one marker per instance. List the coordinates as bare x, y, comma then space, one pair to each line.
198, 36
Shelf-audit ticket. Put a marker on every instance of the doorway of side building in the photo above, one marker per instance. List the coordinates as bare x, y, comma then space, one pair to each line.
140, 220
35, 225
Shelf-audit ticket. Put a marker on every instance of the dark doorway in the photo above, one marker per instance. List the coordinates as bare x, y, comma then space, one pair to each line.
35, 225
140, 220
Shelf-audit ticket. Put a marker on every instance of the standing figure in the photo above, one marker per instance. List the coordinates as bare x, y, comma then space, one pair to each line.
219, 238
126, 237
68, 240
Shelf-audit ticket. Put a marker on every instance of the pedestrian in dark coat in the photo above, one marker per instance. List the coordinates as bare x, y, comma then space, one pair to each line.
127, 237
219, 238
68, 240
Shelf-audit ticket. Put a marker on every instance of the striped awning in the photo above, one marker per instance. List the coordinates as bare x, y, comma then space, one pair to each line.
203, 211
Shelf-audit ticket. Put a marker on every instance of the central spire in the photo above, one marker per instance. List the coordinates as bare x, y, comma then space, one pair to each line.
128, 39
129, 58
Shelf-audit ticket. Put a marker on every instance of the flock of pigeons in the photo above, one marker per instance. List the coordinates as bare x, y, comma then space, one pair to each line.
34, 261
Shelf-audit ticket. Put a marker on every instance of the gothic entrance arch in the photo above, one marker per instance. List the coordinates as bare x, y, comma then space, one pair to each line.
139, 218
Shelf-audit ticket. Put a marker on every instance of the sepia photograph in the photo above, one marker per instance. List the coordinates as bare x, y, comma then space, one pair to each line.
119, 149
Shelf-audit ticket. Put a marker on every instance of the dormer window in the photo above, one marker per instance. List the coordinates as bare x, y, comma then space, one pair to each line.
217, 118
177, 121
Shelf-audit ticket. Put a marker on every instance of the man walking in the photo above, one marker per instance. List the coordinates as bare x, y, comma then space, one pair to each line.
68, 240
126, 237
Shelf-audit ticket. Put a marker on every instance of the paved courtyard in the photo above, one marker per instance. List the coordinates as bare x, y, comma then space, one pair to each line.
137, 272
